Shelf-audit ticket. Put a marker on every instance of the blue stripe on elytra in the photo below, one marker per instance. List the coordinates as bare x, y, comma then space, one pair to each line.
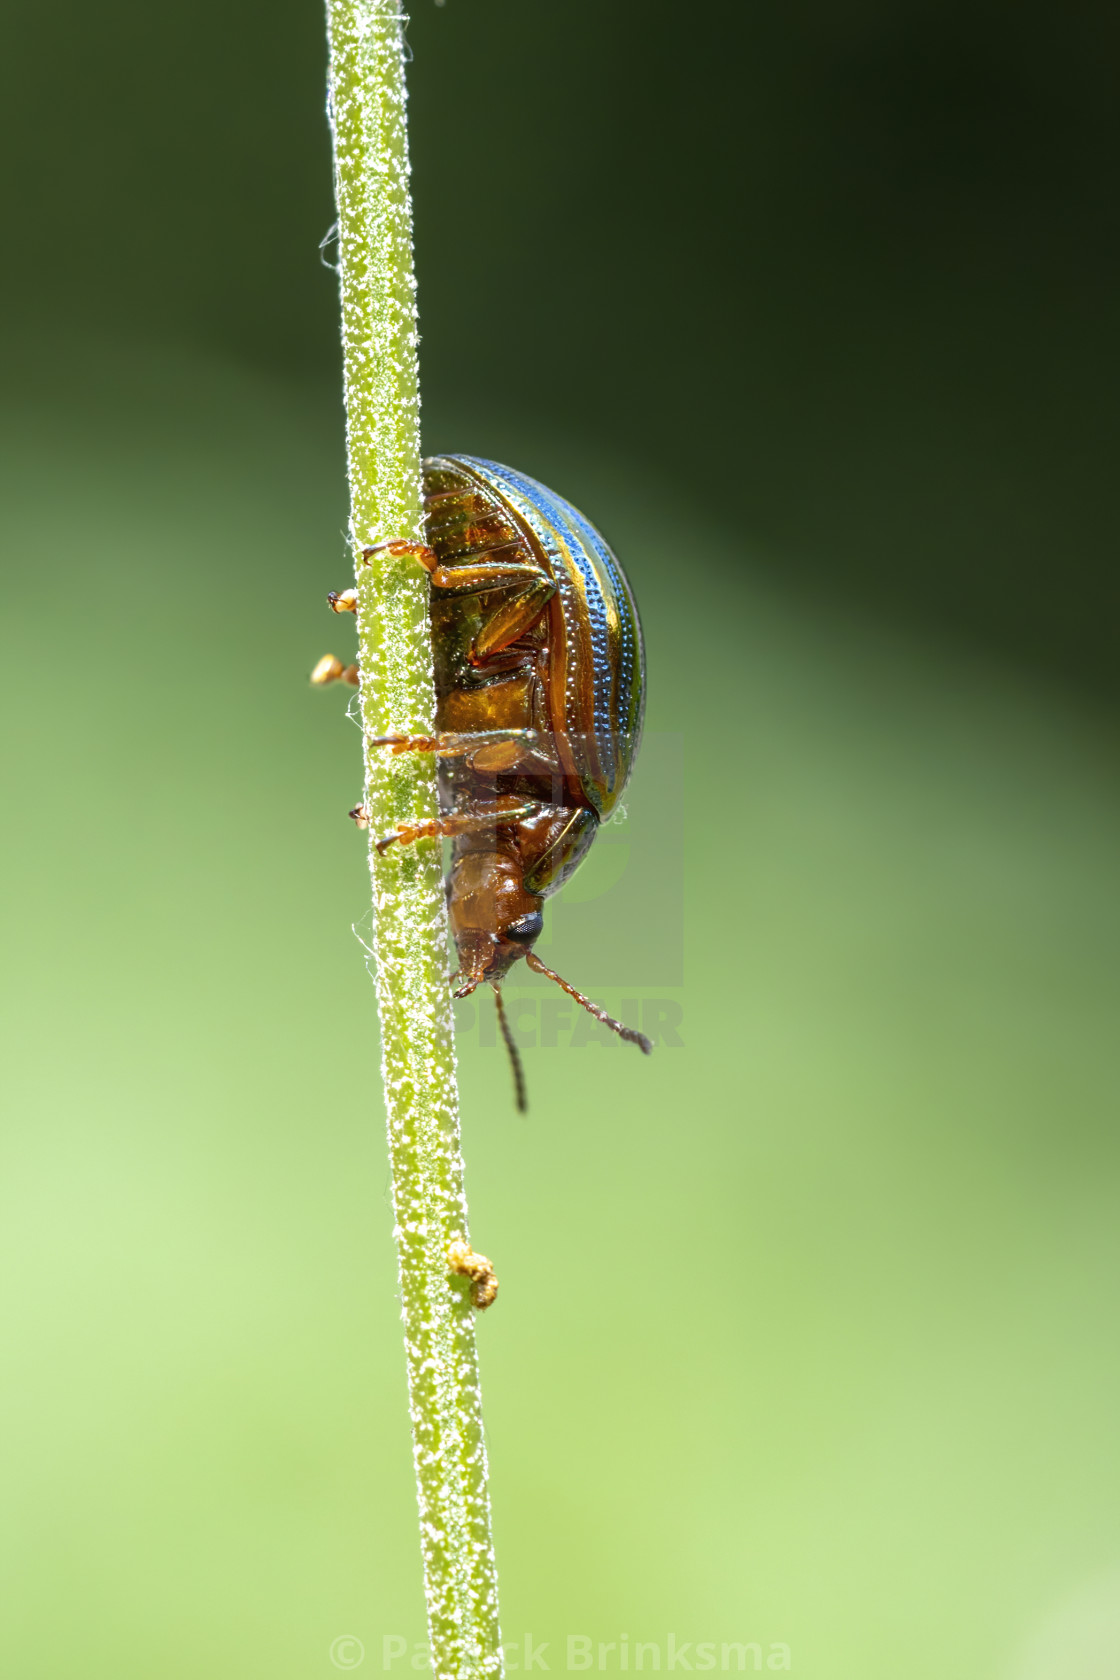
627, 650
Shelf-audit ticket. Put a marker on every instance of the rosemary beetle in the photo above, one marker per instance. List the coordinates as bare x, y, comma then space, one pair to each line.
539, 674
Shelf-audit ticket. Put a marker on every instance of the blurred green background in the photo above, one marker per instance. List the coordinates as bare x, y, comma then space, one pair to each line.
807, 1327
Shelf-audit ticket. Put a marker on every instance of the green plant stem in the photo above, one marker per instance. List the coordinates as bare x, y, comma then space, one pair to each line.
367, 100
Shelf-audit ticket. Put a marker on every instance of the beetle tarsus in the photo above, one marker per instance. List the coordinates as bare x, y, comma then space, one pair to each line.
401, 545
477, 821
407, 834
359, 815
407, 743
344, 601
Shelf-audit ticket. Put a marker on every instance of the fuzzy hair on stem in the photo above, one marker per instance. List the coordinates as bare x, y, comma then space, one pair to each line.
410, 936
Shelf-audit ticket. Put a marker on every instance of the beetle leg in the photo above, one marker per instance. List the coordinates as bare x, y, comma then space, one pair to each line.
408, 743
512, 618
401, 545
463, 580
346, 601
476, 821
511, 757
452, 745
485, 574
330, 669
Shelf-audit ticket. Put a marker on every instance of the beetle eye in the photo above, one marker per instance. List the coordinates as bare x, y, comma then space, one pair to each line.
527, 927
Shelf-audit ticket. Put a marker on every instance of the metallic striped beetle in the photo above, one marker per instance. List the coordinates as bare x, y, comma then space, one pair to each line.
539, 673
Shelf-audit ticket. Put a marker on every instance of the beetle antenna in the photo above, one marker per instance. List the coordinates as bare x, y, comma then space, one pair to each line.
628, 1033
519, 1096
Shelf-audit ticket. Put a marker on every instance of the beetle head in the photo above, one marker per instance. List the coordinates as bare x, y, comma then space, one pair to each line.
495, 920
494, 917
